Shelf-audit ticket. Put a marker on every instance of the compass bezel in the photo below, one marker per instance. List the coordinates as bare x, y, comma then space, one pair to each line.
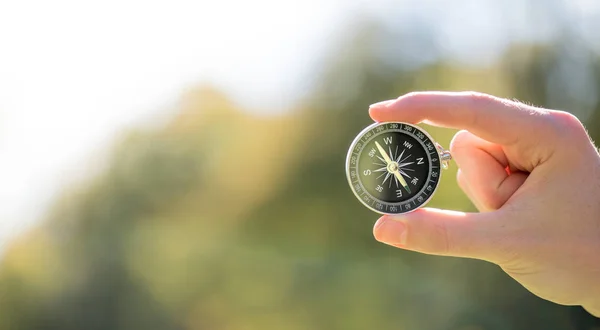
373, 203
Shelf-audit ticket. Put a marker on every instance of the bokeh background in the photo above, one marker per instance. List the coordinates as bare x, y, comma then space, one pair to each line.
179, 164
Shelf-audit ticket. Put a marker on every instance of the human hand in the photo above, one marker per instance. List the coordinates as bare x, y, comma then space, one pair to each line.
535, 176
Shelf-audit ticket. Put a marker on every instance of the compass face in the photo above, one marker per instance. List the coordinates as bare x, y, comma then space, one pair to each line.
393, 168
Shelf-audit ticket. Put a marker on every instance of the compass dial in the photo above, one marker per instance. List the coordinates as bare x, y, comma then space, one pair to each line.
393, 167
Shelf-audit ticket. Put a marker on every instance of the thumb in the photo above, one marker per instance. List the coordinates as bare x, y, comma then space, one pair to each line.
448, 233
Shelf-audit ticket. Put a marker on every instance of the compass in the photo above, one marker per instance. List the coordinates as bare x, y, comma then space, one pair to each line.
395, 167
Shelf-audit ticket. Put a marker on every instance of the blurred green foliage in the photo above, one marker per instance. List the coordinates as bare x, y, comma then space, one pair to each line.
227, 220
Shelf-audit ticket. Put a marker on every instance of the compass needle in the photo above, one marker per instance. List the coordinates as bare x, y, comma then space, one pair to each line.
401, 179
385, 158
392, 167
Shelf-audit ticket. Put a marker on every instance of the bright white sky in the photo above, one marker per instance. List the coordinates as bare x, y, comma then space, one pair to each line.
75, 73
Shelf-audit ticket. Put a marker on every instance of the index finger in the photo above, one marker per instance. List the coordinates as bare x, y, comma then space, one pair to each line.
494, 119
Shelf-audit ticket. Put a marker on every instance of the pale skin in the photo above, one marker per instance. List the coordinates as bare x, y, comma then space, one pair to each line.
533, 174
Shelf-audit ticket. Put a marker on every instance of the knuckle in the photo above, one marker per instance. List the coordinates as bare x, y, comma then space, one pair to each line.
478, 99
414, 97
567, 128
477, 96
566, 121
565, 117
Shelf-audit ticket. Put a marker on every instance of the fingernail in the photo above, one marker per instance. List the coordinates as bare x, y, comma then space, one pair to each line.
381, 104
390, 231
